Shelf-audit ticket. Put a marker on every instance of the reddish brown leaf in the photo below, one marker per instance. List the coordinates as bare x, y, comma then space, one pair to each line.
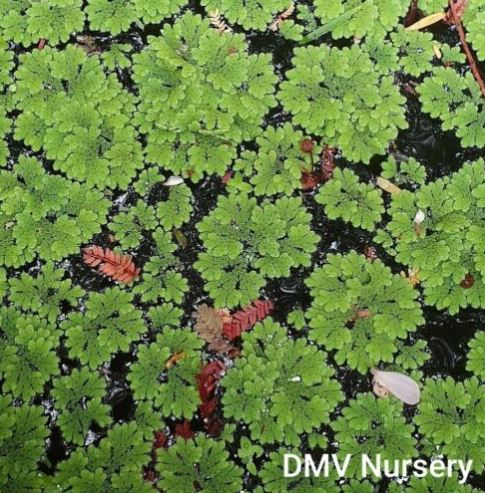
208, 408
328, 163
149, 475
310, 180
41, 44
247, 318
207, 379
209, 327
184, 430
117, 266
160, 439
468, 282
459, 11
227, 177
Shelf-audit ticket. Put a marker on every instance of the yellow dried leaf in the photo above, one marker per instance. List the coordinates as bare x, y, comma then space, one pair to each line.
174, 359
437, 52
388, 186
426, 22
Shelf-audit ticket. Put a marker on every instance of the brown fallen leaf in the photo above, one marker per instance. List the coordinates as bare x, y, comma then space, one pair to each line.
209, 326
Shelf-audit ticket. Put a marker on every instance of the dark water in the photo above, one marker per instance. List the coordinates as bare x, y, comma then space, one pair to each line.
447, 336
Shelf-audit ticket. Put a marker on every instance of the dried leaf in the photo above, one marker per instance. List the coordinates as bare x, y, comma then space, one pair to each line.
174, 359
218, 22
388, 186
412, 276
400, 386
437, 51
180, 238
209, 326
246, 318
117, 266
274, 26
427, 21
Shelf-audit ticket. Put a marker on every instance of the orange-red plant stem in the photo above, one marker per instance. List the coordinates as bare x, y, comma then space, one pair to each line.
469, 54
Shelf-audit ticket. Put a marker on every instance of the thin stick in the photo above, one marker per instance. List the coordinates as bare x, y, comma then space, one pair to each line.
469, 54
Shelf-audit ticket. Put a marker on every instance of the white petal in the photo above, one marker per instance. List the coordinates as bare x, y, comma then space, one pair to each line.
399, 385
174, 180
419, 217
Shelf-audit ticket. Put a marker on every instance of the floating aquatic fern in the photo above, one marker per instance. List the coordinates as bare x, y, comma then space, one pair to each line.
201, 95
246, 243
343, 99
45, 215
79, 116
361, 310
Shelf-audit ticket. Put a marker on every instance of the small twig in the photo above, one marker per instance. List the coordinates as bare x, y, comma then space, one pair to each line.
466, 48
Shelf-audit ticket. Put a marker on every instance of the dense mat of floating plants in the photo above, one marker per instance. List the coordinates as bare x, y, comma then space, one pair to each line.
223, 239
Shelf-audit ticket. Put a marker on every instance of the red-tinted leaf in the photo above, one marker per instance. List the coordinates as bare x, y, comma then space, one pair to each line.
328, 163
160, 439
117, 266
214, 427
208, 408
184, 430
247, 318
310, 180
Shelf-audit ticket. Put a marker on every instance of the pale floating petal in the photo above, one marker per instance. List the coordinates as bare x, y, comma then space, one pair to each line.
419, 217
173, 181
399, 385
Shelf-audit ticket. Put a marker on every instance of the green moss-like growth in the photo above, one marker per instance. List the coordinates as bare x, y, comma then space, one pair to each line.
115, 16
247, 243
346, 197
456, 100
362, 17
338, 94
161, 278
438, 231
200, 461
361, 309
201, 95
28, 346
434, 485
277, 166
165, 372
45, 215
45, 293
474, 20
408, 172
6, 64
23, 430
251, 14
476, 355
79, 116
370, 425
109, 324
288, 388
78, 397
113, 465
451, 418
27, 21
